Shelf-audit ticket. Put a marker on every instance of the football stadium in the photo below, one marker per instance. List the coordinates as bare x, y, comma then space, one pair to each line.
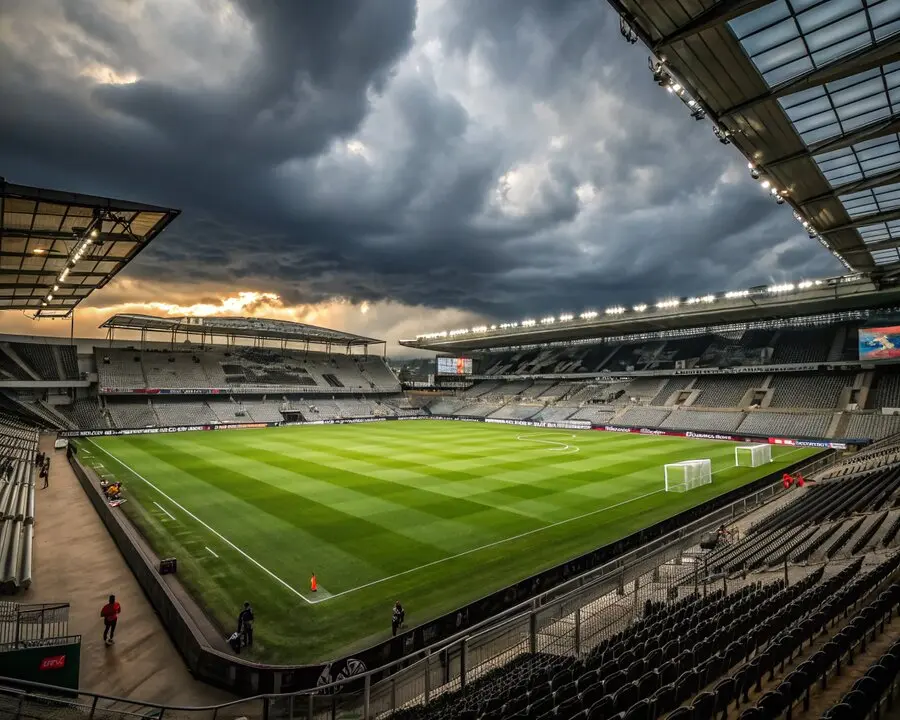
687, 507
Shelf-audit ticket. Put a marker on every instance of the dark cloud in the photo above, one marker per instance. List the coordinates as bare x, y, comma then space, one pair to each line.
508, 157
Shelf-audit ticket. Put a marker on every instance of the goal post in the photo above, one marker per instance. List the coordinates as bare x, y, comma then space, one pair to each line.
752, 455
688, 474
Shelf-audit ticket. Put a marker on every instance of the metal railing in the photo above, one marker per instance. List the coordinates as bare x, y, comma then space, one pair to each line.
29, 625
569, 619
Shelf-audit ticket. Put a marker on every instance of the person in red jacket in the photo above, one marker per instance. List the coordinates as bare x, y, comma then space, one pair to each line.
110, 615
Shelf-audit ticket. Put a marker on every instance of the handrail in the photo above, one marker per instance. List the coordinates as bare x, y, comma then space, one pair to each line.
569, 588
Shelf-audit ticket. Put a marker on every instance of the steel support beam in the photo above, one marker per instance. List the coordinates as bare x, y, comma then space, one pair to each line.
873, 181
883, 245
879, 128
867, 58
717, 14
863, 220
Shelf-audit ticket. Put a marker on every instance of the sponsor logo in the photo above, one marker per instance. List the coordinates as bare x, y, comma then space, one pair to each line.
613, 428
650, 431
708, 436
56, 662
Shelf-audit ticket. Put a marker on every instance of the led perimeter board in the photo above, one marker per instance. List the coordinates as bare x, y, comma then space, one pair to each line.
454, 366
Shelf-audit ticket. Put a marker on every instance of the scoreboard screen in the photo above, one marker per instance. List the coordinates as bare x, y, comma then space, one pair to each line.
879, 343
454, 366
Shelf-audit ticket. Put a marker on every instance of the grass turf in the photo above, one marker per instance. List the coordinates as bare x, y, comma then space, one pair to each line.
436, 514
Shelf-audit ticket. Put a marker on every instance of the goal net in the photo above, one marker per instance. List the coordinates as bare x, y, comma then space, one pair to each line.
688, 474
752, 455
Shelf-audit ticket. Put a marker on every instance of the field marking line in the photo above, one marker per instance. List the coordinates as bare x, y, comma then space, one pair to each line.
395, 575
208, 527
488, 545
514, 537
164, 510
210, 551
563, 447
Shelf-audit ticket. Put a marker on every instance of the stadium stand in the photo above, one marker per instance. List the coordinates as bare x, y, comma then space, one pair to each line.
699, 420
726, 391
762, 646
643, 416
18, 445
759, 422
808, 391
136, 414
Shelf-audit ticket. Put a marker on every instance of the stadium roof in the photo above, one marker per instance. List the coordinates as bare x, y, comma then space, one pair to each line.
808, 91
775, 302
235, 327
57, 247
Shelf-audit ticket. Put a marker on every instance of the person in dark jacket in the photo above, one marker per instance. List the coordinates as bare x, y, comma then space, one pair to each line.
245, 624
397, 617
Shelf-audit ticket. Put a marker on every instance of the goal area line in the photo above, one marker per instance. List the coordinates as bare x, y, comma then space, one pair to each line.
332, 596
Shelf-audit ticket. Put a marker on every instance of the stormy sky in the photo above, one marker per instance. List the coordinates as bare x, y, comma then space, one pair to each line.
384, 165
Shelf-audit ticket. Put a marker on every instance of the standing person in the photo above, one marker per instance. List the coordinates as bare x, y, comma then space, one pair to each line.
245, 624
45, 476
110, 615
313, 585
397, 618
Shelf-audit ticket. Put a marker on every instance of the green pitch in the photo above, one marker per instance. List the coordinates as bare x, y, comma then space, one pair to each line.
435, 514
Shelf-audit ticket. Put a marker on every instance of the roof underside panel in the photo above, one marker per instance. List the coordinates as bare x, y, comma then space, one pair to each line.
809, 91
41, 232
243, 327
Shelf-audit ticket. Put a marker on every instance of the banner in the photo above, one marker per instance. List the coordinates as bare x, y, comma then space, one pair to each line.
560, 425
825, 444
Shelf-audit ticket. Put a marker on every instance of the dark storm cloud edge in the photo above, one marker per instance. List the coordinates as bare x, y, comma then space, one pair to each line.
665, 224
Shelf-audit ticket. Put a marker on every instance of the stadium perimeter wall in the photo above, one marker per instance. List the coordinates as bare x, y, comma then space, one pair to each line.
247, 678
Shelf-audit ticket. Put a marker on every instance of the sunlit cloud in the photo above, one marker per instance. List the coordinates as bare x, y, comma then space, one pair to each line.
390, 321
105, 75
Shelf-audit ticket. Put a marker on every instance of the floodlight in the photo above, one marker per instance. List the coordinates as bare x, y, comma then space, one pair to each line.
708, 298
55, 288
754, 173
49, 297
40, 251
765, 184
779, 200
94, 233
640, 308
565, 317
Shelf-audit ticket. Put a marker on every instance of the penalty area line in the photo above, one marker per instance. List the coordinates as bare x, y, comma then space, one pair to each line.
208, 527
485, 547
163, 509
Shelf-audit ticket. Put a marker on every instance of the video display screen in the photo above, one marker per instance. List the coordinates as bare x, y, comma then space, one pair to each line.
879, 343
454, 366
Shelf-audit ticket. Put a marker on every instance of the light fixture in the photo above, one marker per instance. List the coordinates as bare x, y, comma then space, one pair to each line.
39, 251
754, 173
765, 184
640, 308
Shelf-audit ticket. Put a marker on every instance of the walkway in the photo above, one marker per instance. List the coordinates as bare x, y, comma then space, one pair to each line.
76, 561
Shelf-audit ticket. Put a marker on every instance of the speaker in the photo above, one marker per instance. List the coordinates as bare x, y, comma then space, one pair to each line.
708, 541
167, 566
